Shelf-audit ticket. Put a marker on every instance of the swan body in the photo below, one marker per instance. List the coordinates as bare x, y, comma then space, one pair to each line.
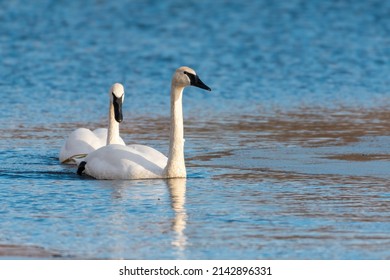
143, 162
83, 141
125, 162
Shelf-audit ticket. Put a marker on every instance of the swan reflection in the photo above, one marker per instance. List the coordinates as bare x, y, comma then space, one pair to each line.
177, 190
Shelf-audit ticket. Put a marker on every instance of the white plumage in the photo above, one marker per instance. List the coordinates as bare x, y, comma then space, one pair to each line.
83, 141
143, 162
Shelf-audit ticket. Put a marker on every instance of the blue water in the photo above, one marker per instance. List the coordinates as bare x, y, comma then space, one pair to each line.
287, 158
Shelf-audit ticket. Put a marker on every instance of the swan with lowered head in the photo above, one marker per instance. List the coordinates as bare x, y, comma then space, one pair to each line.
143, 162
83, 141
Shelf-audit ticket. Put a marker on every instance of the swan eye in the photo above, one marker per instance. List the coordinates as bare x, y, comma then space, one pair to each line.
190, 75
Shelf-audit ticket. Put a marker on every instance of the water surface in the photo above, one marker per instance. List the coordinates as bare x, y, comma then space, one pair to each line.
287, 157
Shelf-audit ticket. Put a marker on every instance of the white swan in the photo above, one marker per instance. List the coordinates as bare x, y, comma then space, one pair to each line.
143, 162
83, 141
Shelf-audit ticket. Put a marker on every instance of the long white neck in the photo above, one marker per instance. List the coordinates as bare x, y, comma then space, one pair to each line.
113, 127
176, 166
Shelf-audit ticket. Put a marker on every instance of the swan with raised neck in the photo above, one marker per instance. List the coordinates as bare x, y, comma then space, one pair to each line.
117, 96
143, 162
83, 141
183, 77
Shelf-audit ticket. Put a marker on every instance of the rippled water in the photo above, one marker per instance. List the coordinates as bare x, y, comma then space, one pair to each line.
287, 158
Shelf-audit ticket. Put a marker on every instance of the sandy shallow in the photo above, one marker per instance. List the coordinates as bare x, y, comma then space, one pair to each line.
26, 252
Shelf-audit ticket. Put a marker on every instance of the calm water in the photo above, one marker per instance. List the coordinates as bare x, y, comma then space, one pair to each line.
287, 158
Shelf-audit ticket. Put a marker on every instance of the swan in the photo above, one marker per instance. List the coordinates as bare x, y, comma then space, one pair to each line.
143, 162
82, 141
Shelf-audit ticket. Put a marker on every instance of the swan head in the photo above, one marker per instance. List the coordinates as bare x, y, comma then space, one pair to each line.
185, 76
117, 95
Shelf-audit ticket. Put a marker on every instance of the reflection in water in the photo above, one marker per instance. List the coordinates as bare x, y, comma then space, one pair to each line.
146, 198
177, 189
117, 217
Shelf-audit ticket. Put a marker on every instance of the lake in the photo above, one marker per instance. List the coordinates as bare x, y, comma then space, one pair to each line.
288, 156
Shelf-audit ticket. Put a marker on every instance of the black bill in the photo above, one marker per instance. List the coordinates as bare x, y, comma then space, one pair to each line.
117, 102
196, 82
